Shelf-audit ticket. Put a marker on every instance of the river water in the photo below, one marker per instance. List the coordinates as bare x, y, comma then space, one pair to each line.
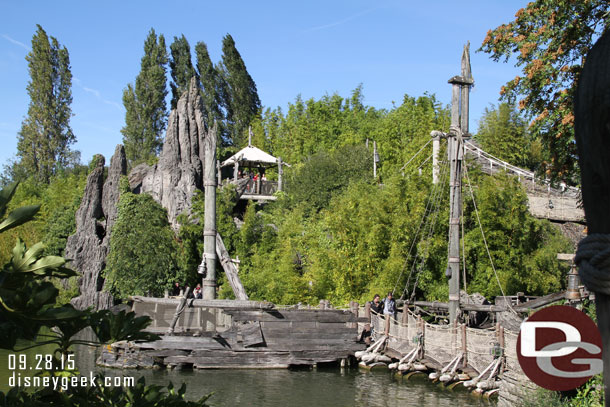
322, 387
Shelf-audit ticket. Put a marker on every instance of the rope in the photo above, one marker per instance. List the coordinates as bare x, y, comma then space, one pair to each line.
593, 260
431, 227
427, 211
476, 210
416, 154
425, 161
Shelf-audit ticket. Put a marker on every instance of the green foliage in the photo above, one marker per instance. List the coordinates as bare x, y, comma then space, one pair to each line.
360, 244
549, 40
142, 257
55, 221
542, 398
145, 108
45, 136
504, 133
28, 303
523, 248
240, 97
590, 394
190, 238
332, 122
212, 87
181, 68
326, 174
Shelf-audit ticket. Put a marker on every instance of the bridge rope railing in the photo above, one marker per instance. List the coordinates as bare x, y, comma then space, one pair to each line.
482, 155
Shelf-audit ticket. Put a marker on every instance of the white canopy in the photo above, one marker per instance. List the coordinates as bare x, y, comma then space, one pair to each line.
251, 156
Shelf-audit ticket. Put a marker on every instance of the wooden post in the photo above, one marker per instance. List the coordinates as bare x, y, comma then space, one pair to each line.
209, 229
230, 269
465, 90
386, 330
591, 106
454, 329
279, 174
464, 346
235, 170
405, 320
353, 305
375, 159
218, 174
422, 327
367, 326
501, 333
436, 145
455, 151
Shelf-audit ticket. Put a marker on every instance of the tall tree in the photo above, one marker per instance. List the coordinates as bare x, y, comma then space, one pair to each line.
181, 67
145, 107
45, 136
240, 100
504, 133
211, 84
549, 39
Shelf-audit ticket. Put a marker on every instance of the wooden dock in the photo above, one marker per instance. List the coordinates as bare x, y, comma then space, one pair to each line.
216, 334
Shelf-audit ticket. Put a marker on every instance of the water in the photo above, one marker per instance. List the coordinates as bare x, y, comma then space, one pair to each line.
330, 387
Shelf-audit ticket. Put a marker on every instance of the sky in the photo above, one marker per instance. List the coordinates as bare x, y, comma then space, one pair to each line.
311, 48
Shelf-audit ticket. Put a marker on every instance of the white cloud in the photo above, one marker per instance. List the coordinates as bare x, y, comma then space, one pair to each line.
345, 20
21, 44
97, 94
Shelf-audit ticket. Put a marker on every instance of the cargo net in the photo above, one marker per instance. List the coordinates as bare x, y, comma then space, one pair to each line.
510, 351
443, 342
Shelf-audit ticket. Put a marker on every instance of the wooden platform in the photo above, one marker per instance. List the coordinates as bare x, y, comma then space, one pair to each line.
238, 335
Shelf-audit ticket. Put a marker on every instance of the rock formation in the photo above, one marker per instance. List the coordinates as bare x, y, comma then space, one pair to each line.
173, 180
88, 247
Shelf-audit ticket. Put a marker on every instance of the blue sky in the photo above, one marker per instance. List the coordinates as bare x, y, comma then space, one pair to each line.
309, 48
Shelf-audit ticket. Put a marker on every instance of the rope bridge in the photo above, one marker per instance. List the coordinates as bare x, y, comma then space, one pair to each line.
442, 343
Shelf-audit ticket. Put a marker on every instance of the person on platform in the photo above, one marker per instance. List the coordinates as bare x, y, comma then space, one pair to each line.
389, 306
376, 304
197, 292
176, 289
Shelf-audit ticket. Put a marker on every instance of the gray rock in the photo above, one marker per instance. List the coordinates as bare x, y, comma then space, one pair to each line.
136, 176
88, 247
179, 173
110, 193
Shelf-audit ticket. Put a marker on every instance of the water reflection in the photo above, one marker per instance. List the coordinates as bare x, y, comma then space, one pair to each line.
274, 388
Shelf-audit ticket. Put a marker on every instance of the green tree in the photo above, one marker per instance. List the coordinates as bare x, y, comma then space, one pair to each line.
324, 175
212, 85
142, 257
28, 303
524, 249
181, 68
550, 39
504, 133
45, 136
145, 107
240, 100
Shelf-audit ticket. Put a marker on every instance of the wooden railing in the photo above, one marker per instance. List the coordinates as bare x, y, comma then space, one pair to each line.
260, 187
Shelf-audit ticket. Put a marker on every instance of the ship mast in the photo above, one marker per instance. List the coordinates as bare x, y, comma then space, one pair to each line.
455, 153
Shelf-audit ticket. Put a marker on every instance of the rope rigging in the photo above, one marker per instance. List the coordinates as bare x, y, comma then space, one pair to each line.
432, 202
427, 225
476, 210
432, 207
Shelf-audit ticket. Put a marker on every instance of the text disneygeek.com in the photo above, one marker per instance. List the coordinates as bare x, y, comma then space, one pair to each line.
65, 382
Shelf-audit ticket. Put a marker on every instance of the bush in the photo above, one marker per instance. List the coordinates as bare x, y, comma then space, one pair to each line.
142, 257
